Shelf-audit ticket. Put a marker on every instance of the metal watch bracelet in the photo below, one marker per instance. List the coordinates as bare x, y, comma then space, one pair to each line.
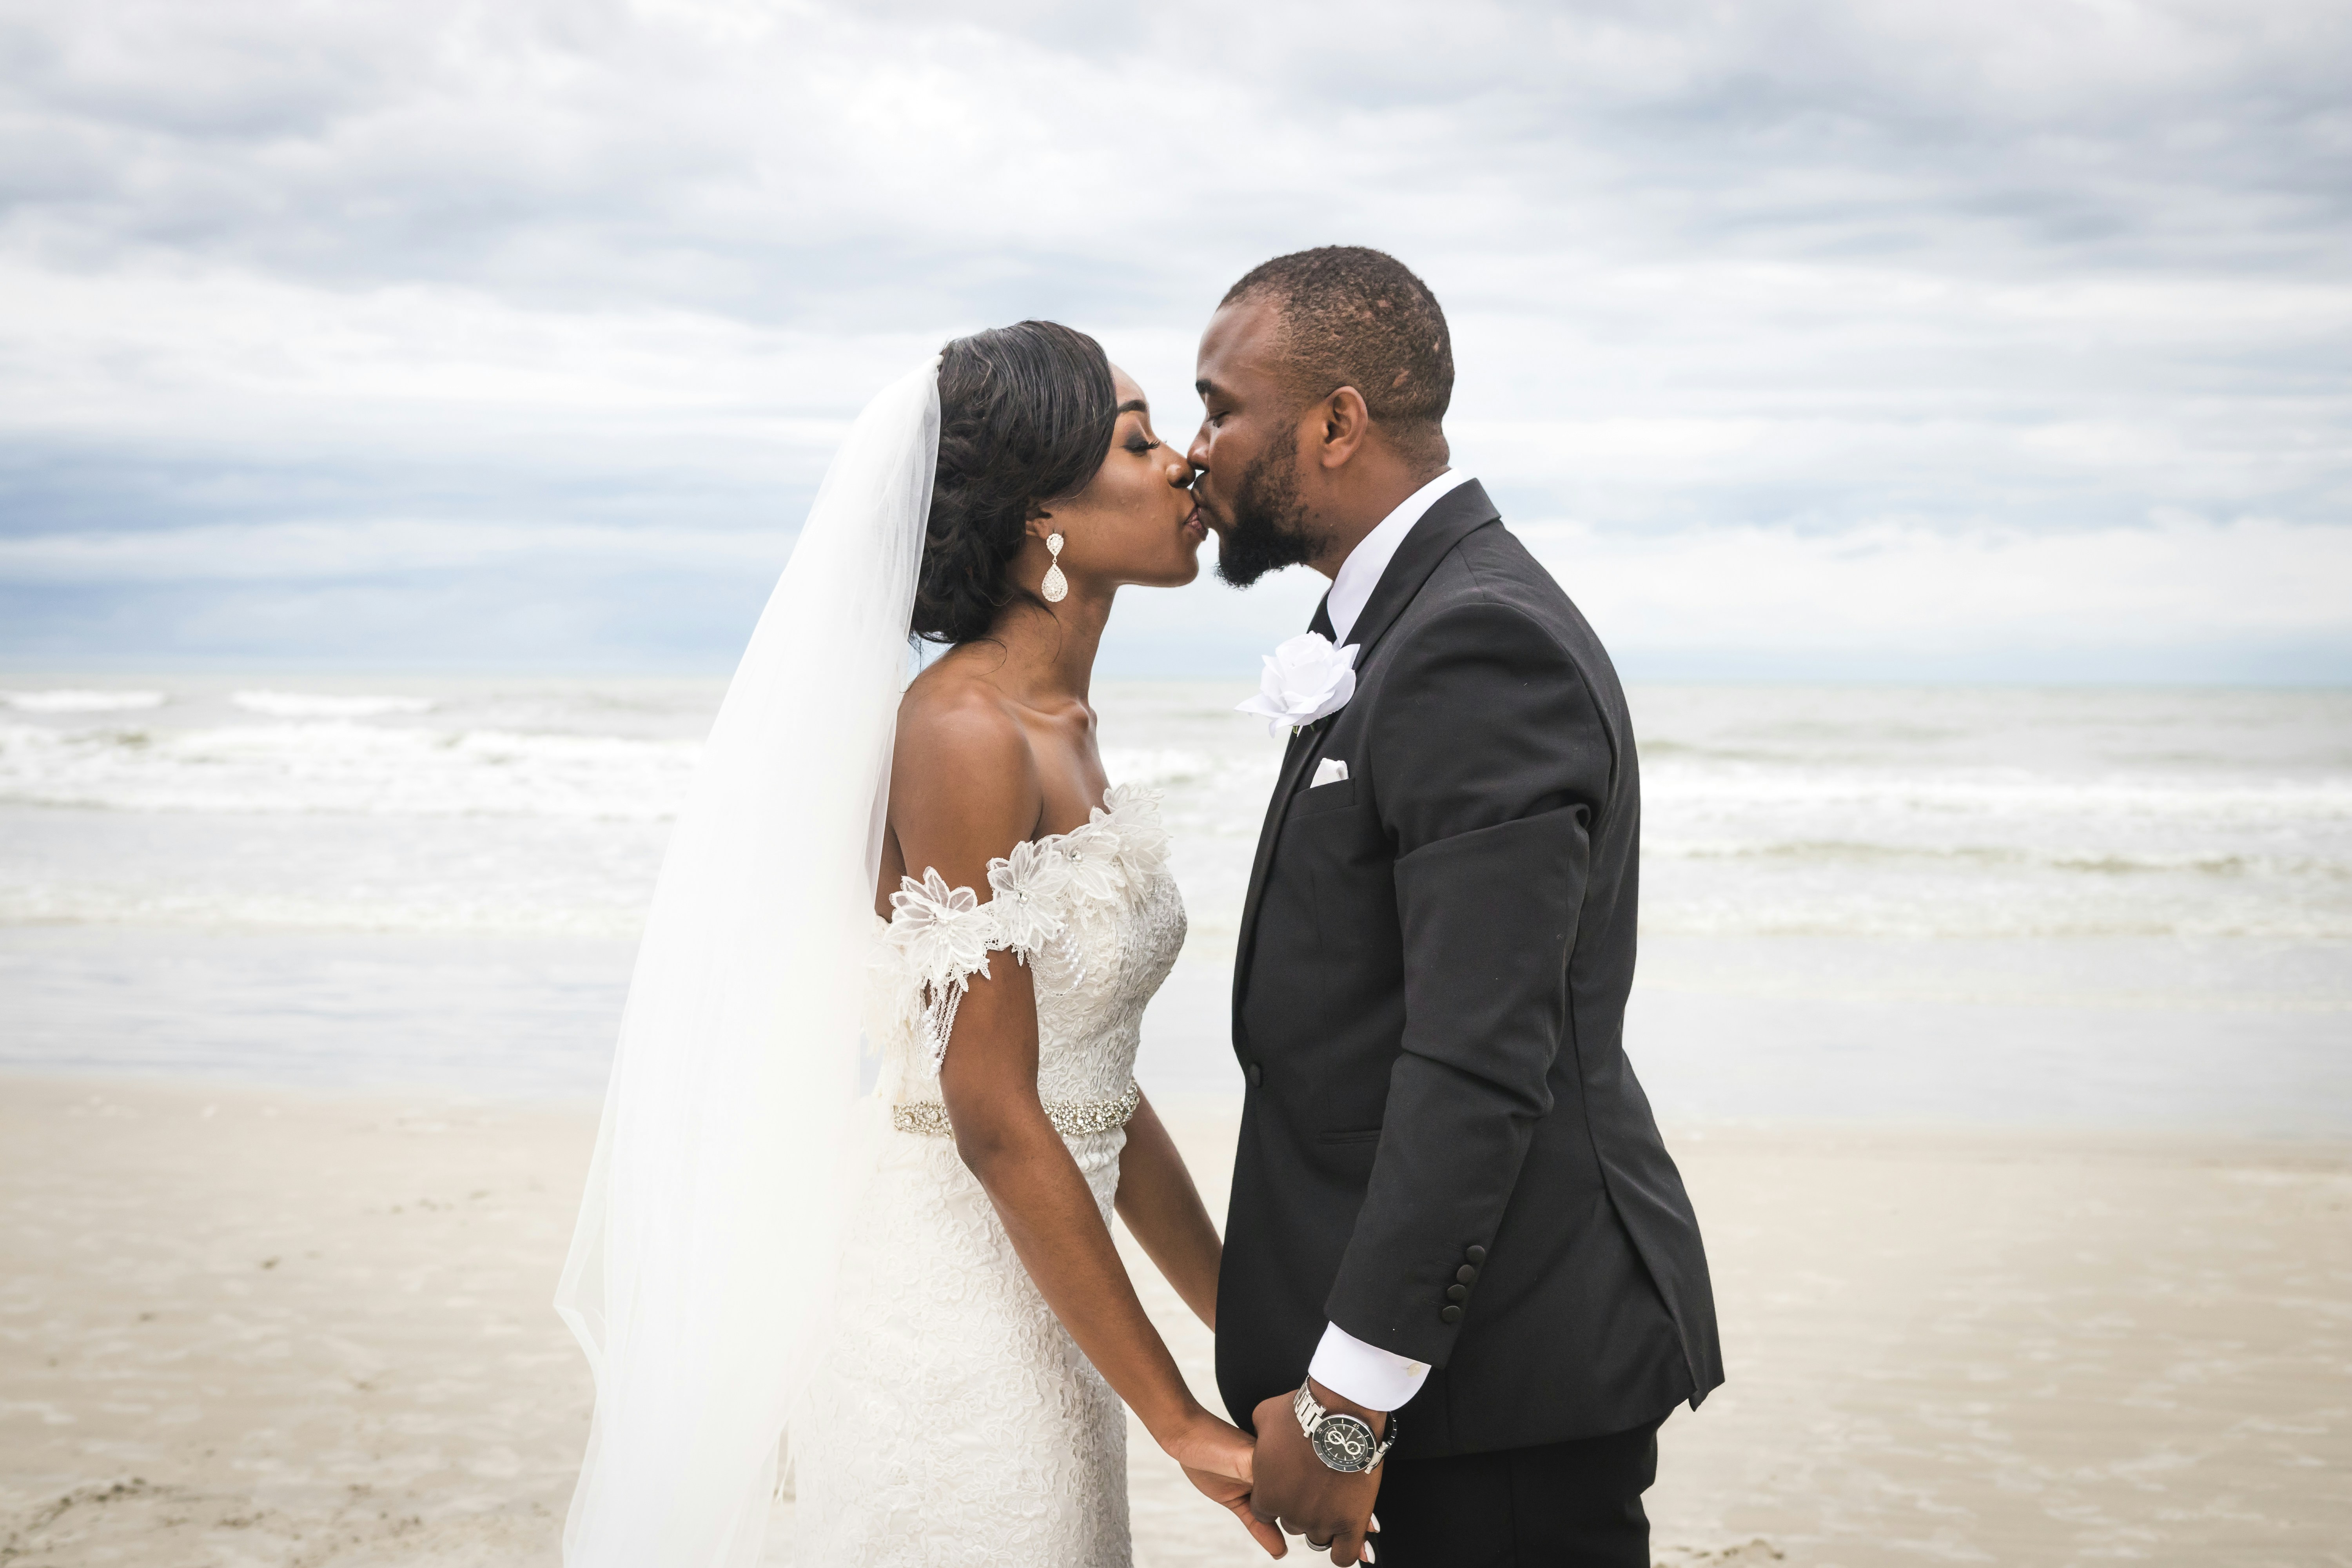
1343, 1442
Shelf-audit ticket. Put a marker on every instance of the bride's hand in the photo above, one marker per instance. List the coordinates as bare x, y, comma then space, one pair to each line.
1218, 1459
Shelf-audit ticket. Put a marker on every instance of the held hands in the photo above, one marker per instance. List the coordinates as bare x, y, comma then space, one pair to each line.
1305, 1495
1278, 1484
1218, 1460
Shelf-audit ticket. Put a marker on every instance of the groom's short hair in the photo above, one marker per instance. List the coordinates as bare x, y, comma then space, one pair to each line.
1352, 316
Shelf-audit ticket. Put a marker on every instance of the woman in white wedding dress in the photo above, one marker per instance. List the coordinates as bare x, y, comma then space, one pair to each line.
925, 1284
967, 1408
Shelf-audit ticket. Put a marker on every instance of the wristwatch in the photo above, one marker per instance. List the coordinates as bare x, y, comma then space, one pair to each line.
1343, 1442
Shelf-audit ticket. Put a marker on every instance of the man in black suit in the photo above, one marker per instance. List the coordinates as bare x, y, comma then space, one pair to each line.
1454, 1226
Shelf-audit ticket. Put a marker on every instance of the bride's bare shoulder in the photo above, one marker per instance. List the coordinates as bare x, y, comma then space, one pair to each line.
953, 716
963, 769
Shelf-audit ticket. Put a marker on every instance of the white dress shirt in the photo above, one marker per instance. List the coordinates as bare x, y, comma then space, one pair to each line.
1373, 1377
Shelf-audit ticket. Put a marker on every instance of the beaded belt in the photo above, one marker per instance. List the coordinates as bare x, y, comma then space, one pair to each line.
1071, 1118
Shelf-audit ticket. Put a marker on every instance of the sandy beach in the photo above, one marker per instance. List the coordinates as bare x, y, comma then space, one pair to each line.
252, 1327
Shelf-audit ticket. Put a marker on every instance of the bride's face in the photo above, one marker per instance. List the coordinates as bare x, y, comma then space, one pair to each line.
1135, 521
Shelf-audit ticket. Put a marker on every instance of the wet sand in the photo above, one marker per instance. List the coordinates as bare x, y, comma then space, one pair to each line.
249, 1327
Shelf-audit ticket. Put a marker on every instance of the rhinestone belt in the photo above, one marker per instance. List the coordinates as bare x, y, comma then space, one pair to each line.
1071, 1118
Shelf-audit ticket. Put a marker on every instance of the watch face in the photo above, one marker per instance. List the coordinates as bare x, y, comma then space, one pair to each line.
1344, 1443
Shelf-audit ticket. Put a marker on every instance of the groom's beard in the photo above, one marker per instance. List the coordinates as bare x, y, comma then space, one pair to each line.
1268, 530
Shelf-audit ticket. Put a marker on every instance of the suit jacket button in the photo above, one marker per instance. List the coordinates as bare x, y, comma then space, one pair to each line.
1256, 1075
1451, 1315
1467, 1273
1457, 1292
1475, 1255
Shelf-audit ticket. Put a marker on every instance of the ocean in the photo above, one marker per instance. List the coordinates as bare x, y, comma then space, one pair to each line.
2123, 908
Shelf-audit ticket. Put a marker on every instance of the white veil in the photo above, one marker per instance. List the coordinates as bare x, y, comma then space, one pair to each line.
704, 1253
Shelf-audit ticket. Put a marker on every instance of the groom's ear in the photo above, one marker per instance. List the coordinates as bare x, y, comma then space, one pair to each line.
1346, 423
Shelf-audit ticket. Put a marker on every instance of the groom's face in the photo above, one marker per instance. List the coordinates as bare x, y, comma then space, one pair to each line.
1247, 454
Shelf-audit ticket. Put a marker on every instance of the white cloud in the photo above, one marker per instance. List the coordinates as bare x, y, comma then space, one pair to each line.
1940, 592
1938, 287
337, 551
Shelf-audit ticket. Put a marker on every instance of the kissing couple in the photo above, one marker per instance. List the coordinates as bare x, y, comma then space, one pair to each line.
1460, 1284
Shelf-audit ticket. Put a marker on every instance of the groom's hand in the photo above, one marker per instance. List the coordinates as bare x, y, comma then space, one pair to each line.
1300, 1491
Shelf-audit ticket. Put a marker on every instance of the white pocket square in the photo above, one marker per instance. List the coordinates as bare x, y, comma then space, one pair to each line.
1330, 770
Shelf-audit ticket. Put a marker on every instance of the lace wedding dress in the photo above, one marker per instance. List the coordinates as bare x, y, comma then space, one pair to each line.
952, 1419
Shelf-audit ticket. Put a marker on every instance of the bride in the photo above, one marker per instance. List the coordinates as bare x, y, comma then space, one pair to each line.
920, 1281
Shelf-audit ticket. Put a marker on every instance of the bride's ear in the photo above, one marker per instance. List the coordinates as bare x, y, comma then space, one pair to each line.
1046, 530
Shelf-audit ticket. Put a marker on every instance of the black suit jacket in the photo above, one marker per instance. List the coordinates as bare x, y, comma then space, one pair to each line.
1429, 1002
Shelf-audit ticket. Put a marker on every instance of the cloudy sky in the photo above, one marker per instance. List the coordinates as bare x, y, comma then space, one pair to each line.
2003, 340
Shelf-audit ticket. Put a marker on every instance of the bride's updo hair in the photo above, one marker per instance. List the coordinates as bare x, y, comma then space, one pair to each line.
1026, 414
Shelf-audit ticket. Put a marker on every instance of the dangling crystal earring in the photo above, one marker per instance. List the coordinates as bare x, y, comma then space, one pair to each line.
1055, 587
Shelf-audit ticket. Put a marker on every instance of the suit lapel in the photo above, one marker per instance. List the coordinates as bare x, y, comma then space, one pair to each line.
1293, 759
1303, 745
1452, 515
1458, 512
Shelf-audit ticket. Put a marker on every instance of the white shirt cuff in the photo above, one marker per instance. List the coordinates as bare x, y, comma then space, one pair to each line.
1373, 1377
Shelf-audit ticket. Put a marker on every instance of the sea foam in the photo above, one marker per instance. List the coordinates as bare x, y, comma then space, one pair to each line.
1863, 813
342, 766
312, 705
80, 701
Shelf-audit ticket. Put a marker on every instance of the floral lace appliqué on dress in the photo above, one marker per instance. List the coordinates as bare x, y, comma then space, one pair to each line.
954, 1420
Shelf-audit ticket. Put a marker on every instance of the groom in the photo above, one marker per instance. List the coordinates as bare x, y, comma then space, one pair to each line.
1454, 1226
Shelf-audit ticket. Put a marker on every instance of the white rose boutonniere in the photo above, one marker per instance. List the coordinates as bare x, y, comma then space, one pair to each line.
1306, 679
